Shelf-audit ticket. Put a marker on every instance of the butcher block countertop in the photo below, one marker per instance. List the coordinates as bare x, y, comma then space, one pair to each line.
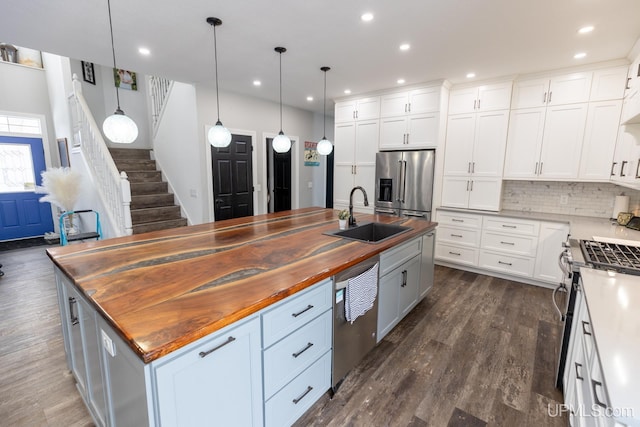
165, 289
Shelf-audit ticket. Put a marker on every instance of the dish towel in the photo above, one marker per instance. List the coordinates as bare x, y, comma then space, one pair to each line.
362, 291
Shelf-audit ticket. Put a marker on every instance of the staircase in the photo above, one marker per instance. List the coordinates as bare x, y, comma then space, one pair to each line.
152, 206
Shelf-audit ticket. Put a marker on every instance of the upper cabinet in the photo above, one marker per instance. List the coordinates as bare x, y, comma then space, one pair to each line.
423, 100
358, 109
608, 84
480, 98
565, 89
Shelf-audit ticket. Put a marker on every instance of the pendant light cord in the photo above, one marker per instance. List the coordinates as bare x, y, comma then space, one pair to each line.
113, 51
215, 60
280, 91
324, 109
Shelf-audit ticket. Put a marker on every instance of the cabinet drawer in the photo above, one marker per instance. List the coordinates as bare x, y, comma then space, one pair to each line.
292, 355
519, 266
457, 254
458, 236
511, 225
517, 245
297, 396
294, 312
393, 257
459, 219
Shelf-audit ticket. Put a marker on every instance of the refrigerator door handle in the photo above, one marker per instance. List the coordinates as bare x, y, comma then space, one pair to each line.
398, 188
403, 179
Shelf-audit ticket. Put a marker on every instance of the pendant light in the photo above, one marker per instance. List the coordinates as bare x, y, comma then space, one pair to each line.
118, 127
218, 136
281, 143
325, 147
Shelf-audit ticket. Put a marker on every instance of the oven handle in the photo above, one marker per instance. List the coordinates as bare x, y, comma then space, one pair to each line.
562, 287
563, 265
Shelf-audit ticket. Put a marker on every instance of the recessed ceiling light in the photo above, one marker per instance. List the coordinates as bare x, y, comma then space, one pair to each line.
257, 82
585, 30
366, 17
405, 46
144, 51
579, 55
471, 75
347, 91
400, 81
309, 98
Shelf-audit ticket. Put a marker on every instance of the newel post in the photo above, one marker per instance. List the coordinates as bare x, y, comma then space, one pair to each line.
126, 203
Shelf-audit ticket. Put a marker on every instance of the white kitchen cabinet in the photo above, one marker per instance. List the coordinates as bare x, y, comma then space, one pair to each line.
564, 89
476, 193
601, 133
545, 143
608, 84
217, 382
480, 98
409, 132
355, 148
550, 239
416, 101
357, 109
625, 169
427, 265
458, 238
631, 110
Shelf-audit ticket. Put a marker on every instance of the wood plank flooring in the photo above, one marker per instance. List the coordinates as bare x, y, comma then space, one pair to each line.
477, 351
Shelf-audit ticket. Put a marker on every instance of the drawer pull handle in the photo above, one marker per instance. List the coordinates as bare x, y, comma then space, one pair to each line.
457, 220
206, 353
73, 317
454, 253
507, 243
584, 329
456, 235
578, 373
309, 388
404, 279
504, 263
509, 226
309, 345
598, 402
309, 307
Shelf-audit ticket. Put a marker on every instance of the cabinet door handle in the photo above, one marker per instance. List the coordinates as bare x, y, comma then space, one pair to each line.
405, 108
309, 307
474, 103
638, 169
467, 185
356, 114
584, 329
540, 171
544, 98
456, 235
454, 253
624, 163
407, 138
457, 220
613, 166
479, 103
507, 243
509, 226
298, 399
409, 107
627, 85
505, 263
598, 402
471, 185
307, 347
218, 347
72, 316
404, 278
473, 167
577, 372
468, 167
550, 93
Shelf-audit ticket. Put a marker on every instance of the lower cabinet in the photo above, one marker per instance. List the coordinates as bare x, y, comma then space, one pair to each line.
427, 266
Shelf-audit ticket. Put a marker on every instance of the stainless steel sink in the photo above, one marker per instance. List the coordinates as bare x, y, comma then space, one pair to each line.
372, 232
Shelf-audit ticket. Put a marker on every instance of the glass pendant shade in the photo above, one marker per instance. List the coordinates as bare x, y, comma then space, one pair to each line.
281, 143
325, 147
119, 128
219, 136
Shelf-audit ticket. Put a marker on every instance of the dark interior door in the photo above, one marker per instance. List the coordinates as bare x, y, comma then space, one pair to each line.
232, 179
329, 186
281, 181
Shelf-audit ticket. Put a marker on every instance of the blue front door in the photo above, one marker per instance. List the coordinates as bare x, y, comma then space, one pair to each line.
21, 214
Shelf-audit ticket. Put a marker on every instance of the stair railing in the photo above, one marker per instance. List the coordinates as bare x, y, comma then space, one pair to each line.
112, 186
158, 91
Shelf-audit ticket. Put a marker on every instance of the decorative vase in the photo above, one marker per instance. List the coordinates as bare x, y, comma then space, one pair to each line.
343, 224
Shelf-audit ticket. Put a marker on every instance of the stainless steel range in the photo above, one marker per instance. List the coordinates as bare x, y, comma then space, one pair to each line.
611, 256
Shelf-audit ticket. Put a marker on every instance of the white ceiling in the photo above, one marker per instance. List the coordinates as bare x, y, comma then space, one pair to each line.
448, 38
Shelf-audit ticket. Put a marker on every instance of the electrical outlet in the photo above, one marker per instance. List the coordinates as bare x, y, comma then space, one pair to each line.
107, 343
194, 193
564, 199
310, 184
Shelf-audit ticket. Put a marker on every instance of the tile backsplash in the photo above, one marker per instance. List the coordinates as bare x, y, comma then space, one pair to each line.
582, 198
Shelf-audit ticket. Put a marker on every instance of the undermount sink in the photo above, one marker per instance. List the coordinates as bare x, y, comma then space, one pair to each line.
372, 232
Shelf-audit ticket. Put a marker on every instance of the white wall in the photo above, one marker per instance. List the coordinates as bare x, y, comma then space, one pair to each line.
177, 151
263, 118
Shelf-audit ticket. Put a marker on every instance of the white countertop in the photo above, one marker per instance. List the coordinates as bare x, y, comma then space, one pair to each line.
613, 301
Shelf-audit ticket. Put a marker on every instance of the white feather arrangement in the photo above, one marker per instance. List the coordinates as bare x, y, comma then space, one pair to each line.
62, 187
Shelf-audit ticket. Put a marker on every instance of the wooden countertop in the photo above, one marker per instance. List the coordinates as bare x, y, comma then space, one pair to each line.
165, 289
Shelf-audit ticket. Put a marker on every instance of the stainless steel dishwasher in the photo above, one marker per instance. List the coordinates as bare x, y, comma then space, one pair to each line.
351, 342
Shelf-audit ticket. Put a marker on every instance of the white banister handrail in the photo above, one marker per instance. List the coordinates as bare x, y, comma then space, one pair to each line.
158, 92
112, 186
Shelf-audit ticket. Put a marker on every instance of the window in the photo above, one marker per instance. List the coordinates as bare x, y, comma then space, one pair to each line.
16, 168
14, 124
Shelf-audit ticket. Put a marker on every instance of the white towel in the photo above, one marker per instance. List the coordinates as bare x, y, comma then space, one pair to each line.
362, 291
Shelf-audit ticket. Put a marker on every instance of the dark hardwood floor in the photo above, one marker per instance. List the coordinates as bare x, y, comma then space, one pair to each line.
477, 351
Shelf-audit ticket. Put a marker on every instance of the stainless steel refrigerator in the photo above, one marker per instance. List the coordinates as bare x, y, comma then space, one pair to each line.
404, 182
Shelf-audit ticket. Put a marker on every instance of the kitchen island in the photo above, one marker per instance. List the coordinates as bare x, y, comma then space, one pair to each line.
153, 298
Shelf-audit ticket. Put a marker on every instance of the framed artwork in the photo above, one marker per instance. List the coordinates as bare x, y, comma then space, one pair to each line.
63, 150
125, 79
88, 74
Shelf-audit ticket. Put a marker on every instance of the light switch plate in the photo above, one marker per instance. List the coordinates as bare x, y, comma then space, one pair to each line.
107, 343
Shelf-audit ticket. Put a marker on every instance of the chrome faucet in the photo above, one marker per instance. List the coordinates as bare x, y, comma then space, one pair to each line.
352, 220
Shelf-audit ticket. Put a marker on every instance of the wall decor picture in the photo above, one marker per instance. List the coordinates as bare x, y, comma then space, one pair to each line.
88, 75
311, 157
63, 150
125, 79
